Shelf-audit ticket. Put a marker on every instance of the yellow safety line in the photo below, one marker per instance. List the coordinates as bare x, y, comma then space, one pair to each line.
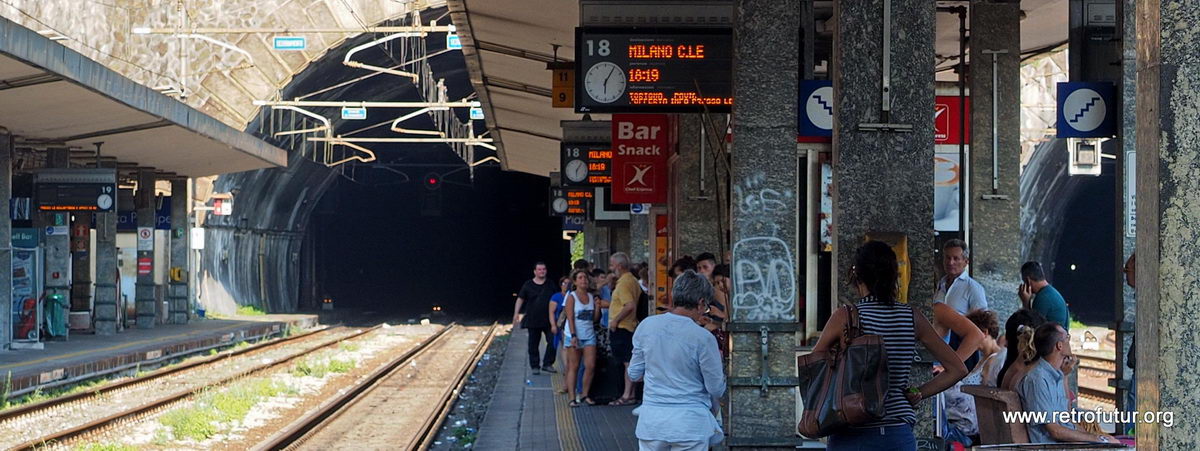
568, 434
115, 347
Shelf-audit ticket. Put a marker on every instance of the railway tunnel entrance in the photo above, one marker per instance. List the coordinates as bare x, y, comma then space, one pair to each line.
383, 207
402, 245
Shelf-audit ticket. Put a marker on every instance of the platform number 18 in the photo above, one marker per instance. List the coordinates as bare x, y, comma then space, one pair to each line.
601, 48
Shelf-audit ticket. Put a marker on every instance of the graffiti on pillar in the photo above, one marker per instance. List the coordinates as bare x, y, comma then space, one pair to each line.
764, 280
754, 199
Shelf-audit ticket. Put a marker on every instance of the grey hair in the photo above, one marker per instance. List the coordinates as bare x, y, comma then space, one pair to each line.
690, 288
955, 242
622, 260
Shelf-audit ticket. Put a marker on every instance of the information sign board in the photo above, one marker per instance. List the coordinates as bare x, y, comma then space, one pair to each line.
659, 70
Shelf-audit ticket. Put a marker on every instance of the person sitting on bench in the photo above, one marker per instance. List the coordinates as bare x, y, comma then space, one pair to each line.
1042, 391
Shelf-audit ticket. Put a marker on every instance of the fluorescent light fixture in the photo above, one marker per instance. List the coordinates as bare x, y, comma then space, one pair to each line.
141, 30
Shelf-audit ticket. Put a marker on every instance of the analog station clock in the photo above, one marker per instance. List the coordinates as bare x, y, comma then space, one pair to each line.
559, 205
605, 82
576, 170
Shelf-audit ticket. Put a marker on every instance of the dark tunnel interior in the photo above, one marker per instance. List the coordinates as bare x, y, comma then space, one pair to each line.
384, 241
400, 248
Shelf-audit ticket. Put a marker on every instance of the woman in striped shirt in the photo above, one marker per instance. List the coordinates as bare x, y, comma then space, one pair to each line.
874, 277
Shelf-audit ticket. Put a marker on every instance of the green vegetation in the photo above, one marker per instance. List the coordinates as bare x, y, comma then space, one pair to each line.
250, 310
465, 436
350, 347
577, 247
213, 411
318, 367
293, 329
106, 447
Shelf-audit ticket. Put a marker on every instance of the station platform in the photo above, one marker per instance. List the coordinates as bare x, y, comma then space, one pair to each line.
525, 412
84, 356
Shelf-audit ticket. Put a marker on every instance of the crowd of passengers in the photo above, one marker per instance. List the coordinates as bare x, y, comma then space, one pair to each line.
672, 363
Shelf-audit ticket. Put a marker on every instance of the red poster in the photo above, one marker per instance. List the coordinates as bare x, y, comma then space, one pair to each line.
946, 120
641, 147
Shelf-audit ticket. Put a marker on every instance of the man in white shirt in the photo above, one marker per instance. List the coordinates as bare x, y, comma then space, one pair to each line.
681, 366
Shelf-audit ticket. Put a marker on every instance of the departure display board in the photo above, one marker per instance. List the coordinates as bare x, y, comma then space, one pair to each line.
668, 70
75, 189
586, 164
571, 201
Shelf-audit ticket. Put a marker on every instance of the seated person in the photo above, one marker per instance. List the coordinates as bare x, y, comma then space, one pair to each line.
962, 424
1041, 391
1019, 349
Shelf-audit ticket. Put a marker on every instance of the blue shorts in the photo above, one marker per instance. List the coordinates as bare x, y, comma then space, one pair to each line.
583, 342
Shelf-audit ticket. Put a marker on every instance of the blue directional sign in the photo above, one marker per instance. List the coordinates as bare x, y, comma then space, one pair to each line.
1087, 110
815, 118
476, 113
290, 43
574, 222
354, 113
453, 42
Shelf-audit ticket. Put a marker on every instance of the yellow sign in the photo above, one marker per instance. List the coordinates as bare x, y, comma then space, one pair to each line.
563, 97
563, 88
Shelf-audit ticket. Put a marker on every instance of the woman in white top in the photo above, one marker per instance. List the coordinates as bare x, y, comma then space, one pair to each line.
580, 337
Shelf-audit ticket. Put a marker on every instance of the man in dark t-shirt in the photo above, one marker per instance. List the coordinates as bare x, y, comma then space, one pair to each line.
535, 297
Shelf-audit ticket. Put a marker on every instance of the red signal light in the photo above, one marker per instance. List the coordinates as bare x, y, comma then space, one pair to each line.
433, 181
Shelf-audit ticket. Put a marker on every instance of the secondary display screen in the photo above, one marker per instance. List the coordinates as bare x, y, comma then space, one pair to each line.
671, 70
586, 164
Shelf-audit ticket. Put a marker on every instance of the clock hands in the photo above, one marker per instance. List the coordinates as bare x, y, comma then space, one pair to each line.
610, 74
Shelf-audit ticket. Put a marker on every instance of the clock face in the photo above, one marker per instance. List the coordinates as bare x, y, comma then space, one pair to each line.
104, 202
576, 170
560, 205
605, 82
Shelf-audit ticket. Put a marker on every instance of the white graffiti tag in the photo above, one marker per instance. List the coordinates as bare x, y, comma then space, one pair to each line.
753, 199
764, 280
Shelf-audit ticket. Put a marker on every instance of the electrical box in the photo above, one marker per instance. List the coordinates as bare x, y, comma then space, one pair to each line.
1084, 158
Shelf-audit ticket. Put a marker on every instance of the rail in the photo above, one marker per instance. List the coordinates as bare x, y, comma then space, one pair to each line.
150, 407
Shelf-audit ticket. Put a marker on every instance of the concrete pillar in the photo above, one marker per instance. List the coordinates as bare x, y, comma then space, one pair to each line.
1168, 191
177, 290
6, 303
107, 301
145, 301
762, 388
883, 177
995, 199
695, 212
640, 231
57, 247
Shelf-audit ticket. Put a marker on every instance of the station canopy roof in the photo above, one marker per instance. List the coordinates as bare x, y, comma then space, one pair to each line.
507, 44
51, 95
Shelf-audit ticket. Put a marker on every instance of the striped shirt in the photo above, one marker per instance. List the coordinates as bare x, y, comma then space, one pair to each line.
894, 324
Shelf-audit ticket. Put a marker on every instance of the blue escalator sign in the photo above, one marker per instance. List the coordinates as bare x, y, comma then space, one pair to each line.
1087, 110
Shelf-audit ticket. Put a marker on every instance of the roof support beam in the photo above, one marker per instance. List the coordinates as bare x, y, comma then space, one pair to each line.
517, 86
29, 80
111, 131
517, 52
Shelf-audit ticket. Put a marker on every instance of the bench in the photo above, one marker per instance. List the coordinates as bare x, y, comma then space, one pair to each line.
990, 405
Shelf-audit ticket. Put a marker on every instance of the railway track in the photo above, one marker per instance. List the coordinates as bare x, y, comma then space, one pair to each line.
401, 405
1101, 367
94, 410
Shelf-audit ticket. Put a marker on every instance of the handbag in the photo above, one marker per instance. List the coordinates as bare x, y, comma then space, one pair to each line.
845, 386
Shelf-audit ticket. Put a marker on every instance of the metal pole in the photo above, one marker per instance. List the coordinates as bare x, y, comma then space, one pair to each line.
995, 128
887, 62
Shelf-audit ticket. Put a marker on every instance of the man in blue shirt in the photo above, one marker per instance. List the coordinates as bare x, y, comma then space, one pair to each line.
681, 366
1042, 393
1036, 293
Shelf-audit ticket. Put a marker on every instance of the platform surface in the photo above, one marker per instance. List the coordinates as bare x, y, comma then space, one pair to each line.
525, 413
83, 353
